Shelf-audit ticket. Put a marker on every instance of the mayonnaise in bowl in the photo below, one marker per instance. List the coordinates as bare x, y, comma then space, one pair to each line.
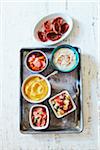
65, 59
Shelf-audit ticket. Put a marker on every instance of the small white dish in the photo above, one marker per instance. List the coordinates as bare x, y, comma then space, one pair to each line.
68, 112
30, 117
32, 52
28, 78
37, 27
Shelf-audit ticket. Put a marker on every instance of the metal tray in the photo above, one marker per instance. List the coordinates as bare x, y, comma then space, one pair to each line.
72, 123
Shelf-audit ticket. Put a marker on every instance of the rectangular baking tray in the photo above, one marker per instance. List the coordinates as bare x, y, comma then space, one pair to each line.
72, 123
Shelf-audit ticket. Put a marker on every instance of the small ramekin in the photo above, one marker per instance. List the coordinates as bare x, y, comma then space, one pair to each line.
32, 52
30, 119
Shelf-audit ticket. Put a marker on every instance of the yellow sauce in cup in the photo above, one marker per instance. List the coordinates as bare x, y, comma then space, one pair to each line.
36, 88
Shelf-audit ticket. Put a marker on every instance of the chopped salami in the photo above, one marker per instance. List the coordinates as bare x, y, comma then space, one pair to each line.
57, 28
64, 28
53, 36
48, 26
42, 36
58, 20
36, 61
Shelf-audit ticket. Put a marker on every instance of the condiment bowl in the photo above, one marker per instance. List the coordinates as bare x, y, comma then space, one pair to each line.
30, 117
42, 78
35, 52
71, 48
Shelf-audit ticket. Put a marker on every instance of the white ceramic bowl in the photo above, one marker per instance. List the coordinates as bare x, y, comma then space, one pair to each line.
74, 106
32, 52
30, 119
37, 27
29, 100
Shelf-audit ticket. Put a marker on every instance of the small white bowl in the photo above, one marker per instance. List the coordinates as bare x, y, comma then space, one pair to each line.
29, 100
37, 27
30, 119
74, 106
32, 52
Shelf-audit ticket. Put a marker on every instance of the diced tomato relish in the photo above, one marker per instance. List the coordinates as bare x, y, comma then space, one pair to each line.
39, 116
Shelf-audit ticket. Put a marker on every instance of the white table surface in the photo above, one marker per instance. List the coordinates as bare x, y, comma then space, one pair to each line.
17, 22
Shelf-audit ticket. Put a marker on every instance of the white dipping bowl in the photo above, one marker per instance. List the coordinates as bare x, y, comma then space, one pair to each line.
38, 25
30, 119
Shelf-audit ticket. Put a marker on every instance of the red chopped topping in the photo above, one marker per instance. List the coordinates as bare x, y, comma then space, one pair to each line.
62, 104
39, 117
36, 62
70, 106
43, 122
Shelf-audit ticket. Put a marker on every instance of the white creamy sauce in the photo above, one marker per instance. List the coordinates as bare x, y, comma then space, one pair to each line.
64, 59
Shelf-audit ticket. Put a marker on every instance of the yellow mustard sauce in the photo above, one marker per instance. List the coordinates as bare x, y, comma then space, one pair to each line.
36, 88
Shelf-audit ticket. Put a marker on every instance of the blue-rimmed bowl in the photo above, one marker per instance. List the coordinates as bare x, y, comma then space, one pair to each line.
75, 53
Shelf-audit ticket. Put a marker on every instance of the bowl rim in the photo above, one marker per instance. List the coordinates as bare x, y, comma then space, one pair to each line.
30, 120
71, 48
42, 100
63, 15
36, 51
73, 109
